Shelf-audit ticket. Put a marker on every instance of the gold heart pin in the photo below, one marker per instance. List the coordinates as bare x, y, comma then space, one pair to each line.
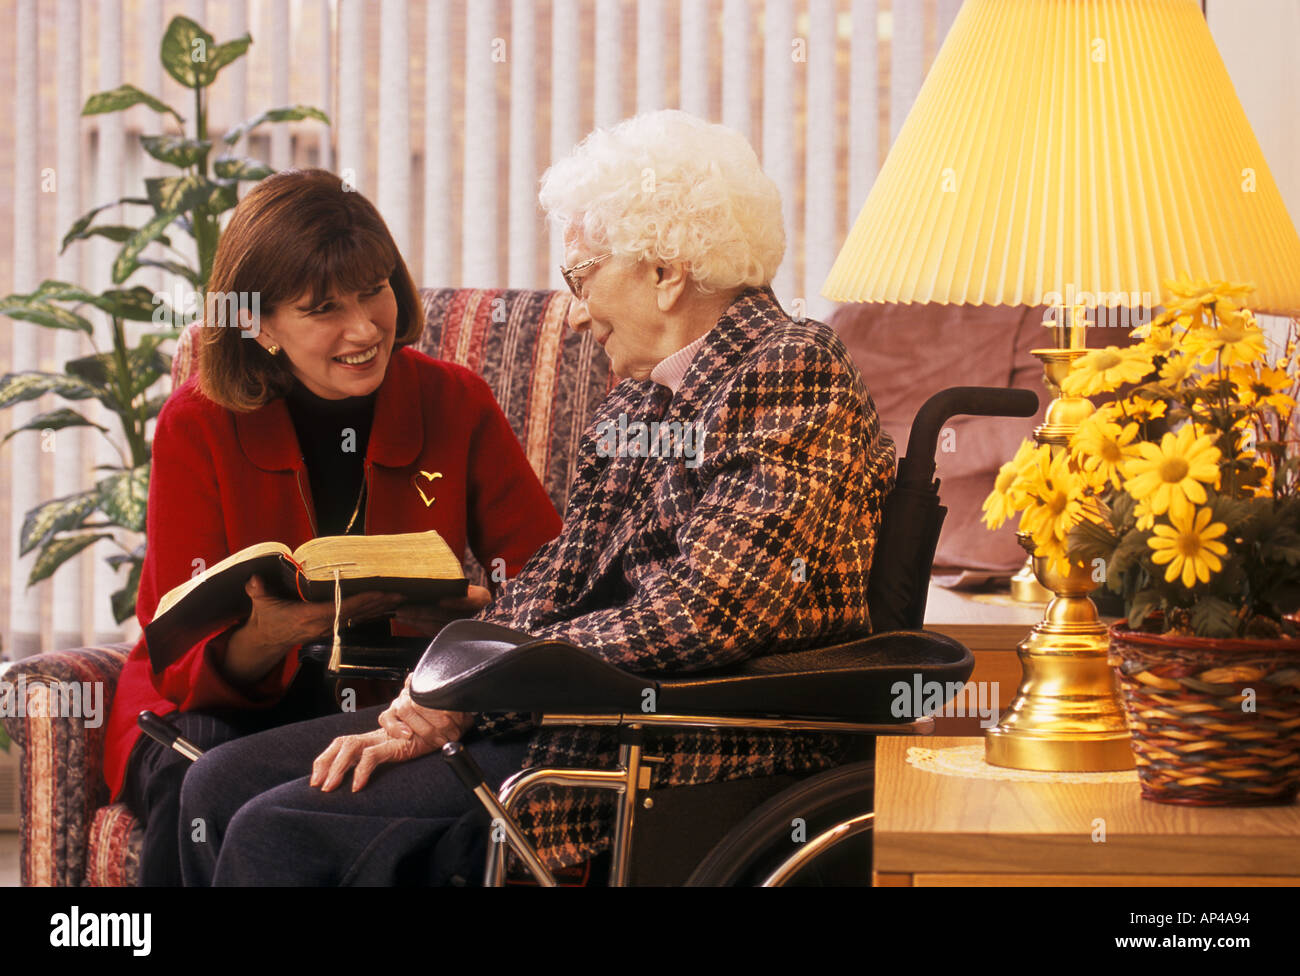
431, 475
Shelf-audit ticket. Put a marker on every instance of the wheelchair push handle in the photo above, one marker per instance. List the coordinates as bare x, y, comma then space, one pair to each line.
979, 401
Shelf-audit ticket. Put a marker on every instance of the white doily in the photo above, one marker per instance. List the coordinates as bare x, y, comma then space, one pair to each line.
968, 762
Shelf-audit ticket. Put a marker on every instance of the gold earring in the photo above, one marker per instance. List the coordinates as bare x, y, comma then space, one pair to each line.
274, 349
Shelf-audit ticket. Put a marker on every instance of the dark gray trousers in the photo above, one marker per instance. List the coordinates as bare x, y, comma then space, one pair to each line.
249, 817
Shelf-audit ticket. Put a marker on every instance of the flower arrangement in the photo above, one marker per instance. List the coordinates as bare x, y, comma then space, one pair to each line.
1182, 496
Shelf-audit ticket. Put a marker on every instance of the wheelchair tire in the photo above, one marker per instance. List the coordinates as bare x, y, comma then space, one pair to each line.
761, 842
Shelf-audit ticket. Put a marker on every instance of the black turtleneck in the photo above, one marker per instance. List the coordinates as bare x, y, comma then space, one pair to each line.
335, 458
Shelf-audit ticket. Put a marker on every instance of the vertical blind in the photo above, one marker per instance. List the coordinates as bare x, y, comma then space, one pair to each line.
444, 113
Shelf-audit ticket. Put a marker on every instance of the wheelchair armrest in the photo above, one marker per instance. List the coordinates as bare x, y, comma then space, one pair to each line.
473, 666
477, 667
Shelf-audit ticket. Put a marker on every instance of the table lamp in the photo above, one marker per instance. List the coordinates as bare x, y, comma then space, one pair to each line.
1072, 154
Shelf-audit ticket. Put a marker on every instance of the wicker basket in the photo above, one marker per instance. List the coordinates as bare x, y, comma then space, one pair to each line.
1195, 740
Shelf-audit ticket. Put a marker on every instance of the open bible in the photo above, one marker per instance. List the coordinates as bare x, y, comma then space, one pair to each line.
419, 565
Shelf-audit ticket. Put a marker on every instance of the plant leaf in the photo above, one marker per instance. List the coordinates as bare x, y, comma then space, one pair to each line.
58, 551
186, 53
41, 312
178, 193
125, 263
78, 229
230, 51
56, 515
56, 420
290, 113
240, 168
176, 150
18, 387
124, 495
175, 267
122, 97
1212, 617
124, 599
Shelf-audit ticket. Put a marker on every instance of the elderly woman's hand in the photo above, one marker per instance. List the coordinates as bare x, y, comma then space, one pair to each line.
428, 619
407, 731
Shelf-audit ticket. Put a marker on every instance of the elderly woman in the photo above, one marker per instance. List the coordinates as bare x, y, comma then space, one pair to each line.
760, 542
313, 419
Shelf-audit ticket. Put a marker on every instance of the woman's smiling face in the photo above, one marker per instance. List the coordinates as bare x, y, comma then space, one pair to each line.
340, 347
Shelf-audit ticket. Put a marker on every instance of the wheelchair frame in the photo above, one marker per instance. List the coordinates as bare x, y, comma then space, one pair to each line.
629, 779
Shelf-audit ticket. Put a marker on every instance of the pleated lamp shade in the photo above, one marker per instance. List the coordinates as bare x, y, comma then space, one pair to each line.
1070, 146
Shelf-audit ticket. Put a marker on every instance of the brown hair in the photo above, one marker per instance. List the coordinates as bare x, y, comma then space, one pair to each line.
294, 231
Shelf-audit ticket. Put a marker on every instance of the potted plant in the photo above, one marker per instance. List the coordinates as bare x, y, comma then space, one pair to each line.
122, 376
1181, 493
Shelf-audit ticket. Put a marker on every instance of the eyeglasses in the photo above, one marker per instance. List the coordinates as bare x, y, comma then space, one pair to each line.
572, 276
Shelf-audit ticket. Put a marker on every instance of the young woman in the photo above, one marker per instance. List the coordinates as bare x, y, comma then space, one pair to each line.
314, 418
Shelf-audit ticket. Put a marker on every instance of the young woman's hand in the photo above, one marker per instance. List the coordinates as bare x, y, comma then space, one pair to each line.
275, 627
429, 618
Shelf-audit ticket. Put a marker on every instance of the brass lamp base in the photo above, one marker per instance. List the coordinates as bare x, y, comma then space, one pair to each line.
1066, 715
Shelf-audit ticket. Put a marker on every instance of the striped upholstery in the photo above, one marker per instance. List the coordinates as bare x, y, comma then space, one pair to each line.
548, 381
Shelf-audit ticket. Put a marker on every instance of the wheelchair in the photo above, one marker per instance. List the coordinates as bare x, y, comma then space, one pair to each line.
815, 829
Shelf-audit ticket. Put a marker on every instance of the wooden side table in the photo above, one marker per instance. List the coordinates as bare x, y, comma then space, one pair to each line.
937, 830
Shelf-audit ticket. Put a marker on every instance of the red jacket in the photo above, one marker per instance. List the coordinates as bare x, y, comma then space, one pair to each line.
222, 481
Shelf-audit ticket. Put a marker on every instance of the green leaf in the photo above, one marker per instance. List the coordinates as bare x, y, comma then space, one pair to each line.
114, 232
289, 114
1140, 607
58, 551
179, 193
40, 312
79, 227
175, 267
19, 387
96, 369
124, 599
124, 495
176, 150
136, 304
56, 420
187, 51
240, 168
122, 97
54, 516
4, 740
1212, 617
125, 263
230, 51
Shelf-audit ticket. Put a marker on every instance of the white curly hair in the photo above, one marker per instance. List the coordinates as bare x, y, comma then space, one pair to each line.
669, 187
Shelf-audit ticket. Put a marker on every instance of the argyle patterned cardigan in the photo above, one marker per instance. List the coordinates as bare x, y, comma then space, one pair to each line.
759, 543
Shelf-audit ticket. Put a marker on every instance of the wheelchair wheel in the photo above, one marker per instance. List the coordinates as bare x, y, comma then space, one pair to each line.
772, 833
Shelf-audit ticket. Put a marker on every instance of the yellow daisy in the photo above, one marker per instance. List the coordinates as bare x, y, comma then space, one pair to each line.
1143, 514
1172, 477
1190, 298
1176, 369
1237, 340
1056, 493
1008, 496
1100, 445
1260, 385
1190, 546
1106, 370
